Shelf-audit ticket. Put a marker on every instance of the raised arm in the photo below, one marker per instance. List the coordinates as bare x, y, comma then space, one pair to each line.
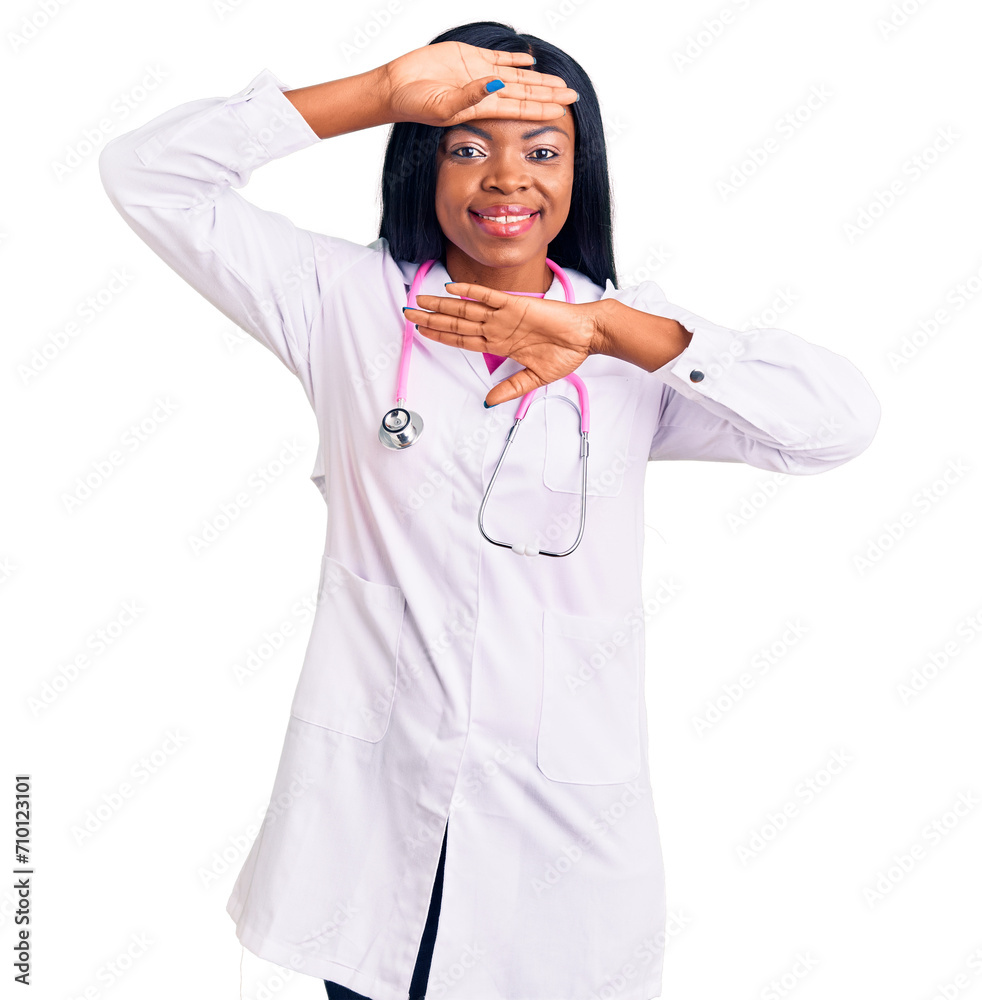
173, 179
765, 397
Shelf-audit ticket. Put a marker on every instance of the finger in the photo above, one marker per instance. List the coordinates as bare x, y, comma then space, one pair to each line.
446, 324
513, 387
506, 58
533, 88
476, 311
504, 107
527, 90
501, 58
468, 342
492, 297
511, 74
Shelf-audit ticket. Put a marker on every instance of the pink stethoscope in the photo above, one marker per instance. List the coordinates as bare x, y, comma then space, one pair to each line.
401, 427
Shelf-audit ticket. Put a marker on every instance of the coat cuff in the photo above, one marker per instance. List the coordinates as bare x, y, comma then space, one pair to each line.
270, 118
269, 125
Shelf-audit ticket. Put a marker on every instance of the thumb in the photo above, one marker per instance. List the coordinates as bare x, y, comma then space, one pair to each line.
477, 90
513, 387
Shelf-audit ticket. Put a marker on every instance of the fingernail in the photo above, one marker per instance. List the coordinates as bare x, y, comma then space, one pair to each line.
404, 308
577, 95
494, 85
447, 283
564, 110
488, 406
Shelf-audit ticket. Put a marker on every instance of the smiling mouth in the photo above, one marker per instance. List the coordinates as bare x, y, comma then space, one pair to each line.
505, 218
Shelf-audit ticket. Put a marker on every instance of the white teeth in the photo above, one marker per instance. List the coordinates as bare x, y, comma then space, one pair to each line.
507, 218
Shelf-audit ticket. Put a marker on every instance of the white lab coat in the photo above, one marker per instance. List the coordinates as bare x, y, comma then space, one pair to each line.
445, 676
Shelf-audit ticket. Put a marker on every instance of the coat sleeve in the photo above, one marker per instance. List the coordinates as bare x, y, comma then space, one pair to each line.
764, 397
173, 180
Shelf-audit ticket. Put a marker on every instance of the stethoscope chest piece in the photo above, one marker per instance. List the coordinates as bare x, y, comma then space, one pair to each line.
400, 428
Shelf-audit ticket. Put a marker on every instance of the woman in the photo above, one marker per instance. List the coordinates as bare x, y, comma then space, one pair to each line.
447, 671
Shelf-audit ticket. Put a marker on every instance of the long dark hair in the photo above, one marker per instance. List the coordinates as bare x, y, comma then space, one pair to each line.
409, 222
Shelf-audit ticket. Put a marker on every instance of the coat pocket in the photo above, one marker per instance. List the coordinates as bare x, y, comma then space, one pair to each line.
589, 724
348, 678
613, 402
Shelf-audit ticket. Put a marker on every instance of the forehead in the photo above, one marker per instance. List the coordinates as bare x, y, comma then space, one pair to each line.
511, 129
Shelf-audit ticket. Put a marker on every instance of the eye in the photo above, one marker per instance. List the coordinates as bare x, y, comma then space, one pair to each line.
542, 149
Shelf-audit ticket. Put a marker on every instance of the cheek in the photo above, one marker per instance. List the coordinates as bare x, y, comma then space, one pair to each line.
447, 201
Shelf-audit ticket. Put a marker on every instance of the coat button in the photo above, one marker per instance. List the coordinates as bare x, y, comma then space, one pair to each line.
696, 376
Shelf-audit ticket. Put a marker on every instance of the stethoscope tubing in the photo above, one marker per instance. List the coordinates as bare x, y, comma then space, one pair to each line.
401, 427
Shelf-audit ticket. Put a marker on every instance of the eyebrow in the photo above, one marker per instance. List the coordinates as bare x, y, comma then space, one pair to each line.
525, 135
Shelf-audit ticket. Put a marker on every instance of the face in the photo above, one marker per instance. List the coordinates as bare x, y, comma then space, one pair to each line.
502, 167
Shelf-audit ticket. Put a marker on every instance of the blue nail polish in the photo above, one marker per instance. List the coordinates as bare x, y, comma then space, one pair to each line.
404, 308
447, 283
494, 85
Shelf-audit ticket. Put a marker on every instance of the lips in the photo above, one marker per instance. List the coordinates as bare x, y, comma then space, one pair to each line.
504, 210
522, 219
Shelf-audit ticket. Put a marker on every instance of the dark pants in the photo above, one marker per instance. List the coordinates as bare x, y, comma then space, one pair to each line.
421, 973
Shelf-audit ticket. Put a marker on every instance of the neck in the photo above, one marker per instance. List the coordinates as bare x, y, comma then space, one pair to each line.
533, 275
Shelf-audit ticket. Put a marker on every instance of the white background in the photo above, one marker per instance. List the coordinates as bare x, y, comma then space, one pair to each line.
829, 885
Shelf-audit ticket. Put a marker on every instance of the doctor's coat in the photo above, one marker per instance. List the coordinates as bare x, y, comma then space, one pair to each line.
447, 678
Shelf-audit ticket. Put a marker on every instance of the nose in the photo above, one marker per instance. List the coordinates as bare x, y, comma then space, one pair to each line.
507, 172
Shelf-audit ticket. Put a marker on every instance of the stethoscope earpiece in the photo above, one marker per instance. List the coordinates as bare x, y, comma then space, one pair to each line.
400, 428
